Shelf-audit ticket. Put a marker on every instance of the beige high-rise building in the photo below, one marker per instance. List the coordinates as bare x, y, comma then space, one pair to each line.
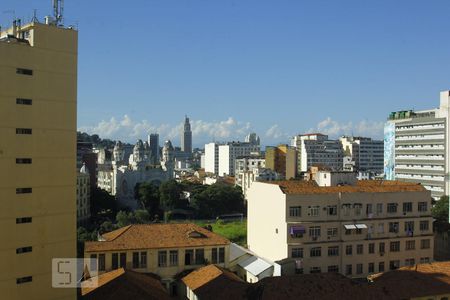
38, 103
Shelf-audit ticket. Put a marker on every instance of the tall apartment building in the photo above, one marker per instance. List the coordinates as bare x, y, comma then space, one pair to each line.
153, 141
316, 149
83, 195
229, 152
367, 154
212, 158
38, 104
416, 147
186, 137
368, 227
283, 160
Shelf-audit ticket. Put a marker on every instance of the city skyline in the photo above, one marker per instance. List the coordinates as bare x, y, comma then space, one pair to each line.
239, 67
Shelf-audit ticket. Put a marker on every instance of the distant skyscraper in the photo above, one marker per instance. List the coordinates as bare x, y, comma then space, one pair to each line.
186, 137
153, 140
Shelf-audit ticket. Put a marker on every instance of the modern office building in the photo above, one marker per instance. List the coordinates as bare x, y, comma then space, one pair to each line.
153, 141
316, 149
366, 154
356, 229
230, 151
38, 104
416, 145
186, 137
283, 160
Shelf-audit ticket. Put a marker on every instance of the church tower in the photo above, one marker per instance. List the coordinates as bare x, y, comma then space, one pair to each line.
186, 137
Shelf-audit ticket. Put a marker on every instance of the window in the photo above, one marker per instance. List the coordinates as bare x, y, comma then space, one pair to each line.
410, 245
173, 258
379, 208
143, 263
371, 248
333, 269
101, 262
346, 208
162, 258
23, 160
24, 250
332, 232
189, 257
115, 261
24, 131
424, 225
393, 227
381, 266
358, 208
93, 266
297, 253
348, 270
424, 260
221, 255
392, 208
381, 228
214, 255
359, 268
333, 251
409, 228
332, 210
410, 262
314, 211
135, 260
369, 209
24, 279
314, 231
199, 256
424, 244
23, 220
394, 246
24, 71
381, 247
314, 270
295, 211
23, 101
394, 264
359, 249
123, 260
407, 207
422, 206
371, 267
315, 252
24, 190
348, 250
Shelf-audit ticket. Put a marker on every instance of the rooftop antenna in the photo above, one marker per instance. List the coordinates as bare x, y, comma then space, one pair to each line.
58, 9
35, 19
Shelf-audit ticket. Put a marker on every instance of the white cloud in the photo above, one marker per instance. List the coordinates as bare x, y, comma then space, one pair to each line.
362, 128
274, 132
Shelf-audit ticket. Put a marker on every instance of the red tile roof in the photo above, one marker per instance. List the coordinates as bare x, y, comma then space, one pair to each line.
156, 236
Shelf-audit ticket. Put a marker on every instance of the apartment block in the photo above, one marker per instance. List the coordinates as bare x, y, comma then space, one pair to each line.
38, 104
229, 152
366, 154
212, 158
283, 160
417, 145
83, 195
360, 229
162, 249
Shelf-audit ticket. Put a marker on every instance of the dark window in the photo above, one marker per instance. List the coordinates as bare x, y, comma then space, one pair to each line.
162, 258
295, 211
23, 220
221, 255
333, 269
101, 262
395, 246
348, 270
333, 251
23, 160
143, 263
381, 247
392, 207
24, 279
371, 268
297, 253
359, 268
332, 210
372, 248
313, 270
115, 261
24, 71
422, 206
23, 101
24, 190
189, 257
123, 260
315, 252
199, 256
381, 266
24, 250
394, 264
135, 260
24, 131
173, 258
407, 207
424, 225
424, 244
393, 227
348, 250
359, 249
214, 255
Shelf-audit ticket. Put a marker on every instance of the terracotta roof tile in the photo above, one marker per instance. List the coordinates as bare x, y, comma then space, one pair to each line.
156, 236
362, 186
204, 275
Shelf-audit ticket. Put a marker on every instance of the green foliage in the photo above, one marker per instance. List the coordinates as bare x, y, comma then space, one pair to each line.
148, 194
234, 231
170, 196
124, 218
440, 213
217, 199
142, 216
102, 201
106, 226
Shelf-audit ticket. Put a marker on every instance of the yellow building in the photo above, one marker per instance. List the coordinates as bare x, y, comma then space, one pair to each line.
38, 76
283, 160
162, 249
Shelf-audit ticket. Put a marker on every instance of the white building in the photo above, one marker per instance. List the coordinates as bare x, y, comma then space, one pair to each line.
367, 154
212, 158
316, 149
245, 179
229, 152
417, 145
83, 195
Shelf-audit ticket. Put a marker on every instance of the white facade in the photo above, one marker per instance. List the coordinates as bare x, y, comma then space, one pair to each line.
229, 152
212, 158
83, 195
417, 145
245, 179
367, 154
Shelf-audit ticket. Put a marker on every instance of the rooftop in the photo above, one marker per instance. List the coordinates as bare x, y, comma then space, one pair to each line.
156, 236
362, 186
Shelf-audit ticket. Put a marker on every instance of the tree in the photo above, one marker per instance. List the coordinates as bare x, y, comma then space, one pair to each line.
170, 196
440, 213
101, 200
148, 195
142, 216
124, 218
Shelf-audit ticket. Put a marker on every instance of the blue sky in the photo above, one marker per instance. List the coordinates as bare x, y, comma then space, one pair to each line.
274, 67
